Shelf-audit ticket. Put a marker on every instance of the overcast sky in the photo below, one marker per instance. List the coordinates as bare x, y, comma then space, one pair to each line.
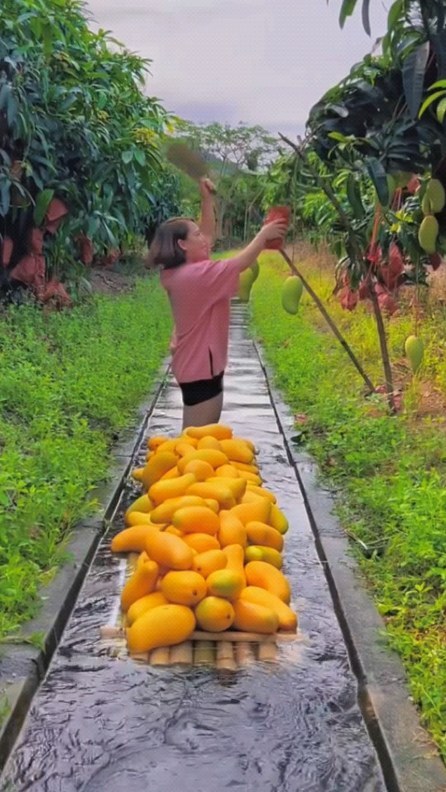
256, 61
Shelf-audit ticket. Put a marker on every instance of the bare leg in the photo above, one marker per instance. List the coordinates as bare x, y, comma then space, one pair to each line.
204, 413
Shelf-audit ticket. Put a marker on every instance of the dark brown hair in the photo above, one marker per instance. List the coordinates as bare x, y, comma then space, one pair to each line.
165, 250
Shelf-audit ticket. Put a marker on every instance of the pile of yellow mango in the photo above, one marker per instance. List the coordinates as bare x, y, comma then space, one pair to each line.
209, 539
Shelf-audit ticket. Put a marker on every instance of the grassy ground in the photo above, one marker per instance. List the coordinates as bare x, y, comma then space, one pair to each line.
390, 472
69, 382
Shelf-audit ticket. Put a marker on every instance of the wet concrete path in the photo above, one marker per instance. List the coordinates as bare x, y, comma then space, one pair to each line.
103, 724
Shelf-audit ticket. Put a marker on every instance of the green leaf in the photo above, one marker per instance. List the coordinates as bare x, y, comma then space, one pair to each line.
366, 16
354, 196
5, 198
347, 8
43, 201
140, 157
414, 68
395, 12
441, 110
378, 176
430, 99
127, 156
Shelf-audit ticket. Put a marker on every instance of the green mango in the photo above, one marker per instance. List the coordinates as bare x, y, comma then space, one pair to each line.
291, 293
428, 233
414, 349
435, 194
245, 282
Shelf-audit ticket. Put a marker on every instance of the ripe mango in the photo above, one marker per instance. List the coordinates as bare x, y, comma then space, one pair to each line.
236, 485
217, 430
173, 488
237, 450
209, 561
291, 293
287, 617
277, 519
158, 464
169, 551
144, 604
212, 456
258, 510
264, 493
252, 617
142, 582
184, 588
225, 583
263, 553
214, 614
218, 491
154, 442
165, 625
196, 519
141, 504
165, 511
414, 349
235, 559
139, 518
226, 471
428, 233
201, 542
260, 533
259, 573
209, 441
232, 530
201, 469
132, 539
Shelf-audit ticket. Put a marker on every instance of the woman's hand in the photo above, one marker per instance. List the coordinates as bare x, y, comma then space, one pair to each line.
207, 187
274, 230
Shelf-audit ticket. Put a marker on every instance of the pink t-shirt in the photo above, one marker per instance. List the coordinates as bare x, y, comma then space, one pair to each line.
200, 295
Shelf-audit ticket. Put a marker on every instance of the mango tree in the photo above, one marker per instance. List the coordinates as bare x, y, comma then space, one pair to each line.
80, 166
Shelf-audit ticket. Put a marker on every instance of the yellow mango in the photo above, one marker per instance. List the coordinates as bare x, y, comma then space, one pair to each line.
196, 519
264, 493
235, 555
210, 455
132, 539
142, 582
259, 573
262, 553
137, 473
154, 442
260, 533
184, 588
259, 510
232, 530
225, 583
219, 492
201, 469
237, 450
183, 447
165, 625
169, 445
236, 485
209, 442
277, 519
174, 531
252, 617
163, 490
213, 504
168, 550
214, 614
165, 511
227, 471
219, 431
171, 474
209, 561
139, 518
141, 504
251, 478
144, 604
287, 617
201, 542
157, 466
251, 468
251, 497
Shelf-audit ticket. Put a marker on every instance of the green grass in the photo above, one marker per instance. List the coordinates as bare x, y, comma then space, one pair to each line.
69, 382
390, 472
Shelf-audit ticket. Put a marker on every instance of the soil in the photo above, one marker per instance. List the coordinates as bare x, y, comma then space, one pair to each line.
111, 282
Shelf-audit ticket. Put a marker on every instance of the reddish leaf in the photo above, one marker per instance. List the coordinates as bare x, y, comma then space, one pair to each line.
396, 261
387, 304
30, 270
7, 247
413, 185
86, 249
277, 213
54, 290
57, 210
435, 260
36, 241
349, 299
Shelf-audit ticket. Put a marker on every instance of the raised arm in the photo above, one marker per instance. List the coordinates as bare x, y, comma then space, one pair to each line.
207, 218
248, 255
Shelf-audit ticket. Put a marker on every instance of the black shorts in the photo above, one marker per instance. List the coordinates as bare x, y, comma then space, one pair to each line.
201, 390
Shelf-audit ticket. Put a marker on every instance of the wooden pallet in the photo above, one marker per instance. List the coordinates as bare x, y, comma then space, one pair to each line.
227, 650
